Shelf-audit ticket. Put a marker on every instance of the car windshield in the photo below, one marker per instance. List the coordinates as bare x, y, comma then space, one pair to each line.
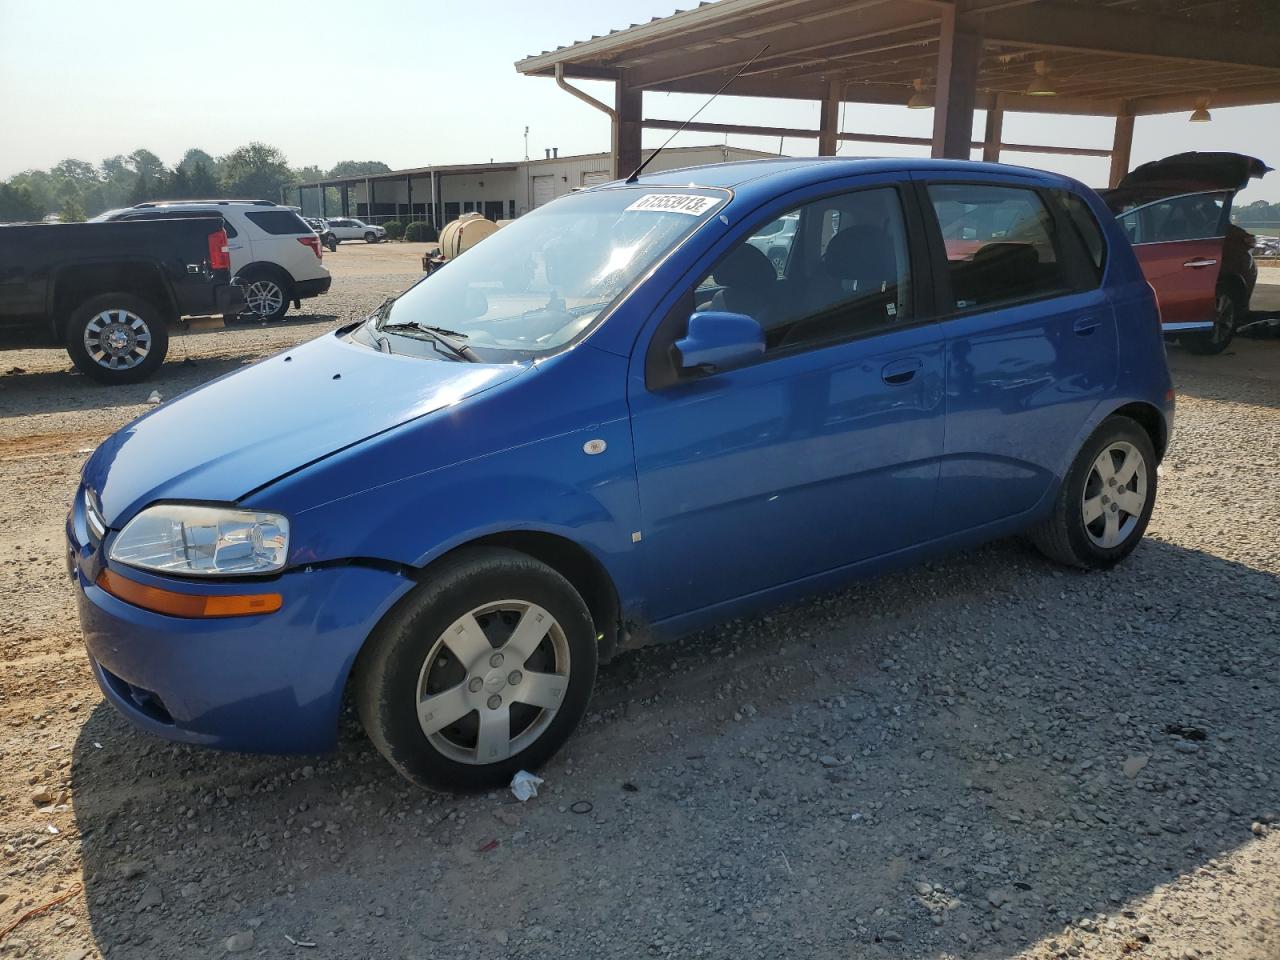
541, 282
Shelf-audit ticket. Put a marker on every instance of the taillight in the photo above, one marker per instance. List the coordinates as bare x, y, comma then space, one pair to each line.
219, 254
314, 243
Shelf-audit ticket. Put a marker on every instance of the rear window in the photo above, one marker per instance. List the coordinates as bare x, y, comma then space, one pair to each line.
279, 222
1087, 228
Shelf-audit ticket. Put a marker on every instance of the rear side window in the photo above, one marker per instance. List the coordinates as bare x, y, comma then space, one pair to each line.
279, 222
1197, 216
1087, 229
1000, 244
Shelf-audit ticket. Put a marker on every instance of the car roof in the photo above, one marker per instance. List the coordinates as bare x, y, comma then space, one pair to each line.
785, 173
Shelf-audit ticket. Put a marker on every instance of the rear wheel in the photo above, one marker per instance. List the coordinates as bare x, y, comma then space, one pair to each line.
330, 241
265, 296
482, 671
1227, 314
117, 338
1105, 502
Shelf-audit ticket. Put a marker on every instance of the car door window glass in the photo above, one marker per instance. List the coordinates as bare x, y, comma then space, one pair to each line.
1087, 229
844, 271
1197, 216
1000, 244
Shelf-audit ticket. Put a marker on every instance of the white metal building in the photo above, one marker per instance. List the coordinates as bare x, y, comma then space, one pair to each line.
501, 191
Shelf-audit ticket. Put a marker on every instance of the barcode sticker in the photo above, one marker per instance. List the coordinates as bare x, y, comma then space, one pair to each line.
689, 203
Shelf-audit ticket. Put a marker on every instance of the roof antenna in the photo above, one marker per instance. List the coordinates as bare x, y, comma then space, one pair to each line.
635, 175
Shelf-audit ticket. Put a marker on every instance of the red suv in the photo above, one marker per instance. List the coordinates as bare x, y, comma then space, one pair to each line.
1177, 214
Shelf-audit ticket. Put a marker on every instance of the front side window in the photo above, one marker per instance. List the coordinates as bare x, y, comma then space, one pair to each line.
541, 282
844, 272
1197, 216
1000, 244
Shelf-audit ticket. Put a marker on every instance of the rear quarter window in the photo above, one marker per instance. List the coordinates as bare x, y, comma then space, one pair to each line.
279, 222
1086, 228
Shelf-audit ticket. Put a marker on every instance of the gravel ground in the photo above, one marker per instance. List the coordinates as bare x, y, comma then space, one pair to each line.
984, 757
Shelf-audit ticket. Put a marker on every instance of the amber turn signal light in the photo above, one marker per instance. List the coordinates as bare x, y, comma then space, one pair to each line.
189, 605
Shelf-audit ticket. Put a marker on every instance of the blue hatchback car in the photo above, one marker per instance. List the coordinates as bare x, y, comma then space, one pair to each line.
618, 419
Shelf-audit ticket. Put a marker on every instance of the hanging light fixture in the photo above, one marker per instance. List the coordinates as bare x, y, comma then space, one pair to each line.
1201, 113
920, 99
1042, 84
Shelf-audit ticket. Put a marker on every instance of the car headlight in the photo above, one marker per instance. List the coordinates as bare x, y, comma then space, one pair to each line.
203, 541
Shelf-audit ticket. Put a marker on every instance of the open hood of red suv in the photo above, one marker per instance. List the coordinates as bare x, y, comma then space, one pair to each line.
1181, 173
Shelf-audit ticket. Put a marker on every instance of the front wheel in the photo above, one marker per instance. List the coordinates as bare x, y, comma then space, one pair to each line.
117, 338
1105, 502
484, 670
370, 237
1226, 315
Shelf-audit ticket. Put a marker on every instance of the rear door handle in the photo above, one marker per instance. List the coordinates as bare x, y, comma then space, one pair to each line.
1086, 325
902, 371
1199, 262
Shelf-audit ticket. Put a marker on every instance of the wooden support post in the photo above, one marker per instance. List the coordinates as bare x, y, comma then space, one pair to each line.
958, 55
628, 104
829, 125
1121, 146
994, 131
408, 190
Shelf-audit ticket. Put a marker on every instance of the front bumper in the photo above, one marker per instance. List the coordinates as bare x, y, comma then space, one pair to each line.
303, 289
262, 684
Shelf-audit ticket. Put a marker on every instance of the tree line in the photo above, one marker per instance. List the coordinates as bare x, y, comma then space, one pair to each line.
76, 190
1260, 211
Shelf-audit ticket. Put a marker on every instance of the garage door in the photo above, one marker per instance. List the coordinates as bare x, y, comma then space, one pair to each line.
594, 177
544, 190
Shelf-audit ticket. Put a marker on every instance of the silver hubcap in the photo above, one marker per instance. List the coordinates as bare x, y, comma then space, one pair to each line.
263, 297
117, 339
493, 682
1115, 494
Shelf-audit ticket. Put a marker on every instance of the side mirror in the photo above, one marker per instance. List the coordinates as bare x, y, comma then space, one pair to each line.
718, 340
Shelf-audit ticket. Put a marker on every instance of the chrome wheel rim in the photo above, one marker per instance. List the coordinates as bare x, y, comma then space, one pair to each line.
493, 682
263, 297
1115, 494
117, 339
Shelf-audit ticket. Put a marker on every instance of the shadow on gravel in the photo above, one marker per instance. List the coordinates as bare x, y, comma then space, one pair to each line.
964, 759
53, 391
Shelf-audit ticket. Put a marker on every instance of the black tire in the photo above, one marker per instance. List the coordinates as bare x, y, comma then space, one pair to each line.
257, 282
392, 664
1227, 314
142, 325
1065, 536
370, 237
330, 241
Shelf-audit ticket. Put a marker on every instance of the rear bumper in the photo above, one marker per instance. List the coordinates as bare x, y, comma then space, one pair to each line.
303, 289
229, 299
262, 684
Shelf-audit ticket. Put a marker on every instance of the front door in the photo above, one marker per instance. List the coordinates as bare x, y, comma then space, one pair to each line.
1179, 242
822, 453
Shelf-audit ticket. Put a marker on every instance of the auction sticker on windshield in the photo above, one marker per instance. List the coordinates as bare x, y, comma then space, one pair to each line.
689, 203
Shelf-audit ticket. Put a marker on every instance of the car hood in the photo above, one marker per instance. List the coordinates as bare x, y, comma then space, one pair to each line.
242, 431
1185, 173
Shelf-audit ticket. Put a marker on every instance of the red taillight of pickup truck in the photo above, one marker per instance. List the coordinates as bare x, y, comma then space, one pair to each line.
314, 243
219, 254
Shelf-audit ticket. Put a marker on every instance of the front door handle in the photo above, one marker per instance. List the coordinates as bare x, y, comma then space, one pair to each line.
901, 371
1200, 262
1086, 325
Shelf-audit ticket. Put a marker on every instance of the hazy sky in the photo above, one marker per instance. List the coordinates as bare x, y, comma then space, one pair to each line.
413, 83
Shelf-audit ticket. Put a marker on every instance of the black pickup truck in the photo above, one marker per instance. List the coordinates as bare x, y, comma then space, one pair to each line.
109, 292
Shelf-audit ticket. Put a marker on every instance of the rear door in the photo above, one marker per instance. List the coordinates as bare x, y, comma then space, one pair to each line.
1031, 343
1179, 242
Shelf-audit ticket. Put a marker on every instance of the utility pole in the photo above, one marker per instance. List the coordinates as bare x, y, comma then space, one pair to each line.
526, 143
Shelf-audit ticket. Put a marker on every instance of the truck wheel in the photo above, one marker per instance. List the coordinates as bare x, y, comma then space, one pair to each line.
117, 338
1226, 315
484, 670
265, 296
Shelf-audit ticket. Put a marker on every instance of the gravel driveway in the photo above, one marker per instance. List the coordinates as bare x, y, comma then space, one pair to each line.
983, 757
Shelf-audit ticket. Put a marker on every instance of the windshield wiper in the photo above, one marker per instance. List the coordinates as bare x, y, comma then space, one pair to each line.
438, 335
